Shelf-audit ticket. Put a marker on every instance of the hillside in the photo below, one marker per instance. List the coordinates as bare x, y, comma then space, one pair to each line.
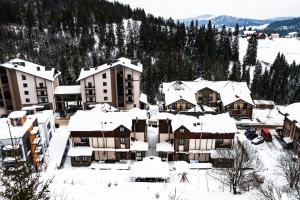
284, 27
230, 21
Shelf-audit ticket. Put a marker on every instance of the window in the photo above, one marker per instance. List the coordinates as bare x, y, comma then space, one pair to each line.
84, 139
90, 84
181, 130
105, 98
26, 92
43, 99
25, 85
231, 106
129, 76
41, 85
245, 105
181, 141
104, 75
122, 140
104, 84
105, 91
91, 99
23, 77
27, 100
121, 129
138, 154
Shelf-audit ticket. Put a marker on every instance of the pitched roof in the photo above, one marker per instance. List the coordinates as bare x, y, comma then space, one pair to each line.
67, 89
293, 112
31, 68
84, 73
95, 120
229, 91
206, 123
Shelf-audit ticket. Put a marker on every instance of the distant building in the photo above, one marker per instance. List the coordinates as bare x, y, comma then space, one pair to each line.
264, 104
116, 83
23, 83
292, 34
261, 36
274, 35
291, 126
224, 96
108, 136
26, 134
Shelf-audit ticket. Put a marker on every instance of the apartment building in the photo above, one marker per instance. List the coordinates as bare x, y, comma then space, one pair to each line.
23, 83
25, 135
195, 138
221, 96
116, 83
107, 136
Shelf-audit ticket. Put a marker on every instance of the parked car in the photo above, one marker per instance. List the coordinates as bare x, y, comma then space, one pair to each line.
265, 133
251, 133
258, 140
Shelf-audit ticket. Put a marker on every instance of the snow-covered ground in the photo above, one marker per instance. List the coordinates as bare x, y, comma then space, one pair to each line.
267, 50
114, 181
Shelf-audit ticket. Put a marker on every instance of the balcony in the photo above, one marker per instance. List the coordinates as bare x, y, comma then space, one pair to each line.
42, 95
89, 87
41, 88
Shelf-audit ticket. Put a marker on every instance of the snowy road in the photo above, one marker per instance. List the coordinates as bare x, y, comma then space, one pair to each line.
152, 138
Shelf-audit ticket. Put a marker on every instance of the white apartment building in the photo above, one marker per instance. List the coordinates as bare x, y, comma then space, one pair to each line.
117, 84
23, 83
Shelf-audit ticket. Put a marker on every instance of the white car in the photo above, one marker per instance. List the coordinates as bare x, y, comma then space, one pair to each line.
258, 140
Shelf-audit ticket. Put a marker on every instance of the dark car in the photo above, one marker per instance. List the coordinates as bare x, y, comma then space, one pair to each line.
251, 133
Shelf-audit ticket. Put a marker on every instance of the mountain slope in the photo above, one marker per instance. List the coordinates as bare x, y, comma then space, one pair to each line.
283, 27
230, 21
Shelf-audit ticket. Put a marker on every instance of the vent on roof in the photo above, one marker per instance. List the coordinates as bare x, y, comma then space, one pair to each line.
47, 68
15, 66
38, 68
134, 62
22, 64
195, 124
86, 69
96, 68
237, 96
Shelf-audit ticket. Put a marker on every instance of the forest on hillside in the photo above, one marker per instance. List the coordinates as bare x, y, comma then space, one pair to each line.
71, 34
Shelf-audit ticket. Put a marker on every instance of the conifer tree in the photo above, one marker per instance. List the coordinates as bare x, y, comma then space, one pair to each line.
256, 82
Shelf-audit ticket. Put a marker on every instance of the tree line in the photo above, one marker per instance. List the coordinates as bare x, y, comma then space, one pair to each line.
71, 34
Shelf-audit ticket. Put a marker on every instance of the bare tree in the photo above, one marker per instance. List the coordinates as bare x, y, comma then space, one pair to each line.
243, 169
269, 191
290, 168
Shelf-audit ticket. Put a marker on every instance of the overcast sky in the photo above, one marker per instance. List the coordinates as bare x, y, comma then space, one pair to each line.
178, 9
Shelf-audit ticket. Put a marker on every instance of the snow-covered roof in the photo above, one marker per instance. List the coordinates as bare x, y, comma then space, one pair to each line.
199, 109
164, 147
31, 68
264, 102
95, 120
293, 112
268, 116
44, 116
234, 91
249, 32
103, 107
138, 145
206, 123
67, 89
229, 91
16, 114
84, 73
99, 121
181, 166
143, 98
33, 107
150, 167
8, 131
80, 151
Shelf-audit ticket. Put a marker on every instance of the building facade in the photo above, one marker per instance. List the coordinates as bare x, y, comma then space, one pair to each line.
117, 83
107, 136
220, 96
23, 83
23, 135
195, 138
